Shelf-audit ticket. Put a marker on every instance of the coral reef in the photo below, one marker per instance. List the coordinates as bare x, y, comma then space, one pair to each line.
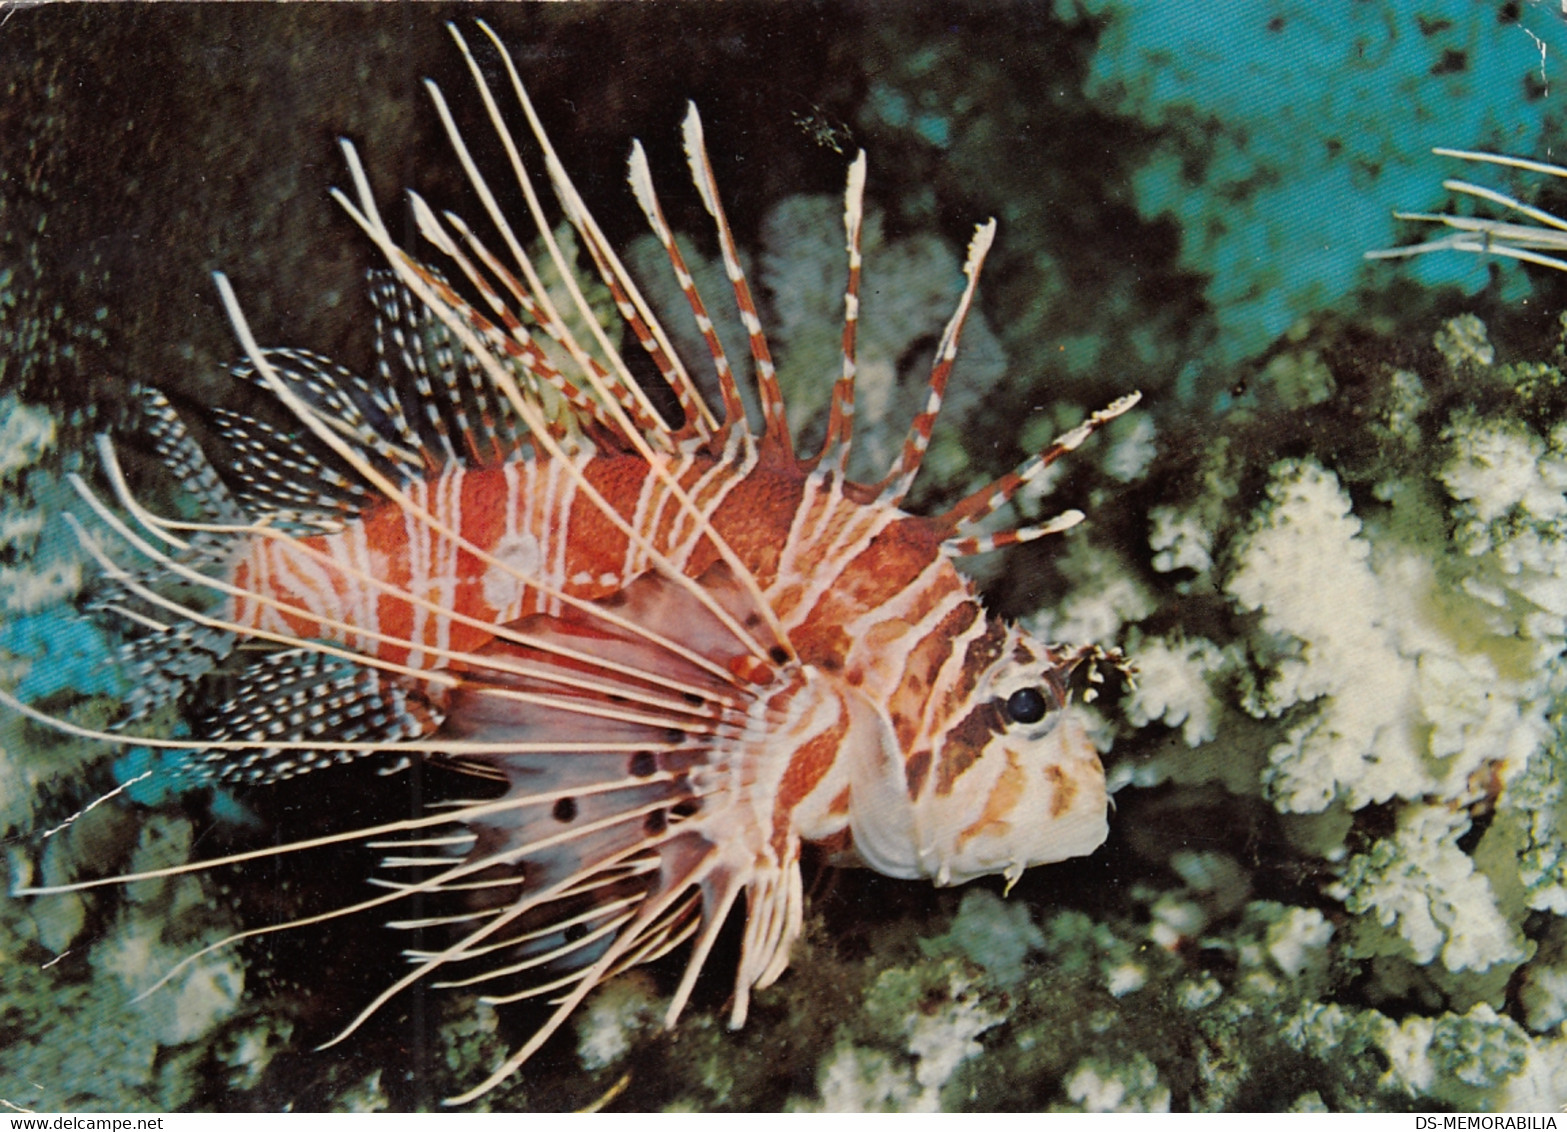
1358, 667
78, 1034
1370, 652
1337, 874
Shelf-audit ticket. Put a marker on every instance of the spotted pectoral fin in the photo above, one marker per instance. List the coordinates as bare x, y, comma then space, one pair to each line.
163, 661
301, 696
611, 722
620, 739
279, 473
437, 385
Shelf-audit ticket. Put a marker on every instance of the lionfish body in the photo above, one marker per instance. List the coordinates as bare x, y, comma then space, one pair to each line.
676, 652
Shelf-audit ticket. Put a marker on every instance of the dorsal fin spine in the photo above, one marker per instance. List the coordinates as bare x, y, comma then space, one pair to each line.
412, 276
901, 477
775, 419
840, 420
646, 417
527, 411
976, 506
641, 179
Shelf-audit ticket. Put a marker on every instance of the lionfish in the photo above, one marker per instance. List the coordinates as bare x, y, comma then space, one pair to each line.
673, 652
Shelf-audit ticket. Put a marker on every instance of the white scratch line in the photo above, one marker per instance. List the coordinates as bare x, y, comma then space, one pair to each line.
89, 809
1540, 43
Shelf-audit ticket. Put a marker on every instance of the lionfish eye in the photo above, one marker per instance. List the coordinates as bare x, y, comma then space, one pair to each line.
1026, 705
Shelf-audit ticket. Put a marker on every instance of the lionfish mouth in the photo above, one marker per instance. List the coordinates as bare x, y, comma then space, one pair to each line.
671, 653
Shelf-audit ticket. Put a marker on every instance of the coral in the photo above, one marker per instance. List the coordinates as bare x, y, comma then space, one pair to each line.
1371, 649
1105, 596
616, 1017
1132, 448
1463, 339
1337, 877
909, 290
1173, 687
1459, 1059
1306, 568
1132, 1087
929, 1017
992, 933
80, 1034
47, 649
366, 1096
1420, 881
25, 435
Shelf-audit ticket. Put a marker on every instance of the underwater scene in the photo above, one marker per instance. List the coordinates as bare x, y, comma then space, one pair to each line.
1318, 589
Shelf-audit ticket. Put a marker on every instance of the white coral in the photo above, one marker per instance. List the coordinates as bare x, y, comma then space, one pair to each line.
1133, 449
1134, 1086
1105, 595
1172, 687
26, 433
1511, 487
1497, 467
1297, 939
860, 1080
941, 1040
1308, 571
1408, 702
938, 1034
1464, 339
1420, 883
912, 284
1407, 399
1180, 540
1543, 995
617, 1015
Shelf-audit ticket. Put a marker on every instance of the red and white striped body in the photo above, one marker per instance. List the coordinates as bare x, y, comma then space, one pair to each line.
869, 599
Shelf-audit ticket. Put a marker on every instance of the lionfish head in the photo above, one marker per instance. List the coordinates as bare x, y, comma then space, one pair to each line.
1009, 778
1015, 780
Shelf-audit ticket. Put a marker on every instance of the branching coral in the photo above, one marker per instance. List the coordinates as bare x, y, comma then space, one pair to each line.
1371, 648
46, 648
1422, 883
1173, 687
934, 1012
78, 1035
1306, 569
